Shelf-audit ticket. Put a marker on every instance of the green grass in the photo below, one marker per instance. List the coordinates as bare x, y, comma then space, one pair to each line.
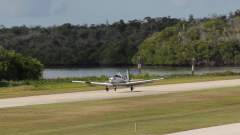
42, 87
154, 115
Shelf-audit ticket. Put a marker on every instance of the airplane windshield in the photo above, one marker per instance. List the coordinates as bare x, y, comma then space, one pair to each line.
117, 76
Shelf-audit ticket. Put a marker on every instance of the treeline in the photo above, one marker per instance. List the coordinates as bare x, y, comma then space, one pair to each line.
14, 66
73, 45
152, 41
210, 41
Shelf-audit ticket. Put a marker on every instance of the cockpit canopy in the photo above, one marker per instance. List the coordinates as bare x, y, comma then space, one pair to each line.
118, 76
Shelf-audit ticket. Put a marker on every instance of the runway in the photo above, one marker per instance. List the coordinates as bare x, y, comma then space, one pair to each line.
121, 93
231, 129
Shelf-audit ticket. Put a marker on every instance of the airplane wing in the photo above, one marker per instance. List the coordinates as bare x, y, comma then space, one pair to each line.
95, 83
132, 83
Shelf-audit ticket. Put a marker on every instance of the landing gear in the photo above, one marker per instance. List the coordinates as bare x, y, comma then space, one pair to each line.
107, 89
131, 88
115, 88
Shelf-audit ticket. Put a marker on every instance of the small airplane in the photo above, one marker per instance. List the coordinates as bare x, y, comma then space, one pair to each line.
120, 80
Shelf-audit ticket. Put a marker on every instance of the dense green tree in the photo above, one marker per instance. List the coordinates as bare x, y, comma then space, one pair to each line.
14, 66
211, 42
73, 45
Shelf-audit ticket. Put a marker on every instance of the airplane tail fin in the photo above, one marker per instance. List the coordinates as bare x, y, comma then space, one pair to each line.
128, 75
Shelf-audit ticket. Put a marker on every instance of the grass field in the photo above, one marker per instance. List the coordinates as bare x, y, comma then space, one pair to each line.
42, 87
154, 115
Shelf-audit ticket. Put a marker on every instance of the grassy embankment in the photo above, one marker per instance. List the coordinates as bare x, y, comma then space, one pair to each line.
40, 87
154, 115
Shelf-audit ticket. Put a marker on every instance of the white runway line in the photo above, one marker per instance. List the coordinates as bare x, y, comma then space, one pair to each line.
231, 129
121, 93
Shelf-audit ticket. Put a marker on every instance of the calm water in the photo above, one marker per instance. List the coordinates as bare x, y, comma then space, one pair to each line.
163, 71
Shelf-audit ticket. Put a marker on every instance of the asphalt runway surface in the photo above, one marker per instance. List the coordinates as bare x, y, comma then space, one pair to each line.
121, 93
231, 129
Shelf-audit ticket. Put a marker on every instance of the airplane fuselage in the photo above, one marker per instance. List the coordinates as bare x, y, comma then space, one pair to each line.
118, 79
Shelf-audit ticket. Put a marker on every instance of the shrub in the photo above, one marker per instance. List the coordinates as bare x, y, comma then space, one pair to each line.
14, 66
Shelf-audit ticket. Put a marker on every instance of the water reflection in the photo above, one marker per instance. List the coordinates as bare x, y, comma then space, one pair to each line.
108, 71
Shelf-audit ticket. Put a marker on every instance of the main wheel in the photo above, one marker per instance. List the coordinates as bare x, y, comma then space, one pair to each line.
107, 89
115, 88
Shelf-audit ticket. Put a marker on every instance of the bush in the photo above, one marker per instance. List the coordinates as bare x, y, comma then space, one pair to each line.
14, 66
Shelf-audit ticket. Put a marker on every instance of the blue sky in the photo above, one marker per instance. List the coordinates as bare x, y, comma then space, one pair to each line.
57, 12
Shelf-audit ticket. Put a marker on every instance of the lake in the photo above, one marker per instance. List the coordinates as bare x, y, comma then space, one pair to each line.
53, 73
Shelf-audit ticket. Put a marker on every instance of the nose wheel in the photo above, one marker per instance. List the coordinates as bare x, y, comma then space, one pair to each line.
131, 88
